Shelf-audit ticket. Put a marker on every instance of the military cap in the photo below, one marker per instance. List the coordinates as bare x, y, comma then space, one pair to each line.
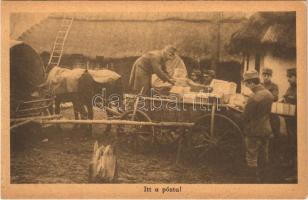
209, 73
196, 71
291, 72
250, 74
170, 49
268, 71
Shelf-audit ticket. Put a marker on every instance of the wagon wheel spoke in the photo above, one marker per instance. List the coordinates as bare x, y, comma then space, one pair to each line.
211, 141
204, 151
223, 135
200, 146
142, 136
224, 138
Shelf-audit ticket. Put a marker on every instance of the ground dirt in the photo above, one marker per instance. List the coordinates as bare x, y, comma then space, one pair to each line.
53, 155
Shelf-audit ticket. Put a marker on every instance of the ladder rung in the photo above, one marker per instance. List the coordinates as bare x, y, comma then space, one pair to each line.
58, 45
55, 57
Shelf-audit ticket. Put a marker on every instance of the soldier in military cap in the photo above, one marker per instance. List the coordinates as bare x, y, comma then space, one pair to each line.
208, 76
267, 74
291, 98
256, 121
290, 95
195, 76
153, 62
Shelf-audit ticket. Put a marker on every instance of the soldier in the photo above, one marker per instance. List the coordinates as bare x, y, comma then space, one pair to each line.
291, 98
195, 76
267, 74
151, 63
208, 76
256, 123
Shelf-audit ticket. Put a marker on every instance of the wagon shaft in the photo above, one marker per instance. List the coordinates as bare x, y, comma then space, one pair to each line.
120, 122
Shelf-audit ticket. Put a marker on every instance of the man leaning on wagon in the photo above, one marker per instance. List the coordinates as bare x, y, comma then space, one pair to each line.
150, 63
257, 128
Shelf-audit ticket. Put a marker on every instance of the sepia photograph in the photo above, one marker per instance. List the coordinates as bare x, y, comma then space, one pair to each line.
155, 97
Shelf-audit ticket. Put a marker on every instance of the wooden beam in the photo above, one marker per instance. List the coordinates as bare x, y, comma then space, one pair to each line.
39, 100
20, 124
119, 122
35, 118
31, 109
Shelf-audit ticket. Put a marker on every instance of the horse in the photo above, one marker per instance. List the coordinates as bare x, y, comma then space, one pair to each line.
82, 98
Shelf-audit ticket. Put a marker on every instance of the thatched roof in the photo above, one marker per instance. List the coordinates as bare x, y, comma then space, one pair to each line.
118, 35
266, 30
280, 34
152, 16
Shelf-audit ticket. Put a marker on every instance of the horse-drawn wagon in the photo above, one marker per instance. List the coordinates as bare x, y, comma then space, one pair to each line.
202, 121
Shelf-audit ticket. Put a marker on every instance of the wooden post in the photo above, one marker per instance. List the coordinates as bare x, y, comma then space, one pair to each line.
180, 147
213, 119
136, 103
247, 63
216, 55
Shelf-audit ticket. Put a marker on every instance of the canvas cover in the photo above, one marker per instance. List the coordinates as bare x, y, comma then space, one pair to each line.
62, 80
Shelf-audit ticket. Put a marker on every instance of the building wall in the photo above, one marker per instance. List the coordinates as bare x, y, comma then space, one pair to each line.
279, 66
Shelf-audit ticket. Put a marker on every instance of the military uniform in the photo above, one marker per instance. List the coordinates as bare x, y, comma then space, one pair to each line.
274, 146
274, 118
208, 76
141, 74
273, 88
256, 120
291, 122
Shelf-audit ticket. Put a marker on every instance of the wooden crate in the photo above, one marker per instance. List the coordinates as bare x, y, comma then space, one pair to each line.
284, 109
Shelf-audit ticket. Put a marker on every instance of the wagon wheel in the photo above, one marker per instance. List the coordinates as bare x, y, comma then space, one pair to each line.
223, 141
141, 137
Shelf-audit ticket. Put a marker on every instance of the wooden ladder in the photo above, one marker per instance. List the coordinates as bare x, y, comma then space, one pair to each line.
57, 50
